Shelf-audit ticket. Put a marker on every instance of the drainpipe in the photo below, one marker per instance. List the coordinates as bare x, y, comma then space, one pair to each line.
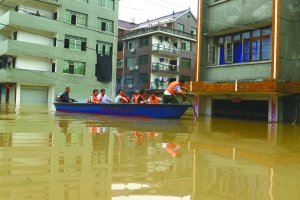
236, 86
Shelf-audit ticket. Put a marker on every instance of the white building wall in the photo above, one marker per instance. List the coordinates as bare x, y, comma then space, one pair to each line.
36, 38
33, 63
3, 10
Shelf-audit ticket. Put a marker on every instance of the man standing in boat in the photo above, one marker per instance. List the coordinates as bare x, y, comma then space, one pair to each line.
172, 90
65, 96
103, 98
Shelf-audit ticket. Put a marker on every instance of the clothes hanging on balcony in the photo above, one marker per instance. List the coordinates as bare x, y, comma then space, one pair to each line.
104, 68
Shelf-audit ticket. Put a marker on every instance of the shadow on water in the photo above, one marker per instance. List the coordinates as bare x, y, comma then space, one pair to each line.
51, 155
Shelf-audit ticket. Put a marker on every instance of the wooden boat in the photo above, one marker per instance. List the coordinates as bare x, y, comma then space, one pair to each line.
167, 111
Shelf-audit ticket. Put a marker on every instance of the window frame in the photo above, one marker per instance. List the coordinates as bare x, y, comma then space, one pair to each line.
106, 46
212, 53
107, 5
79, 17
184, 60
143, 60
144, 41
127, 61
76, 39
177, 27
243, 39
109, 25
129, 77
143, 78
184, 45
76, 67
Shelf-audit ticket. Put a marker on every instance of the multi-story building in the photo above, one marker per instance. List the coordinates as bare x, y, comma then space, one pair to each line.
247, 64
157, 52
49, 45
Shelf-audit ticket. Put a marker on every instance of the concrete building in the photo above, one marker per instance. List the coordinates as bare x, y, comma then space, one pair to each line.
156, 52
247, 59
48, 45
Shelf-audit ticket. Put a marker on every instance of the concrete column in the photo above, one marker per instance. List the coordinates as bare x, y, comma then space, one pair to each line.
204, 105
18, 93
273, 109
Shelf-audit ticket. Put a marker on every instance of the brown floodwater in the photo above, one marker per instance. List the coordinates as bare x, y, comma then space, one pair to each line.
49, 155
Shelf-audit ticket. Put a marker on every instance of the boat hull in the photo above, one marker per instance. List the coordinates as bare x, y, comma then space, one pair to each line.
167, 111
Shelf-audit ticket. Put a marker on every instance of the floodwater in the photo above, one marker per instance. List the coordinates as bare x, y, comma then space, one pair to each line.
49, 155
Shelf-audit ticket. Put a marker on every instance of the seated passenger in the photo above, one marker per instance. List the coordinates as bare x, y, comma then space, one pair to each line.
93, 98
153, 99
103, 98
65, 96
141, 99
122, 98
135, 97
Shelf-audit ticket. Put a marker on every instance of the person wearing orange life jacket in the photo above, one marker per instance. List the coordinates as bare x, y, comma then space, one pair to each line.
135, 97
93, 97
153, 99
141, 99
172, 90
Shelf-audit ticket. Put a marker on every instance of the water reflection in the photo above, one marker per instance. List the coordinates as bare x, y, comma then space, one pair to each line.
48, 155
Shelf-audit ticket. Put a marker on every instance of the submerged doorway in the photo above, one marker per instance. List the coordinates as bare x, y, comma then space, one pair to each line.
247, 109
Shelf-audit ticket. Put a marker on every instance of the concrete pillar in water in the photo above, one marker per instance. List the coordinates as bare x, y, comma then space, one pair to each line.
275, 110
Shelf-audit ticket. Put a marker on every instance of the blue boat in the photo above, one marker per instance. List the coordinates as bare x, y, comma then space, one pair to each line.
167, 111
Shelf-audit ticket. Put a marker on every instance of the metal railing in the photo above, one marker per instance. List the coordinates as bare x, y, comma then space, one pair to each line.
159, 28
164, 67
166, 48
158, 85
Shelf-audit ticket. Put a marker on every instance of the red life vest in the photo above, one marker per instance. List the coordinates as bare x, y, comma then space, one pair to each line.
171, 87
136, 97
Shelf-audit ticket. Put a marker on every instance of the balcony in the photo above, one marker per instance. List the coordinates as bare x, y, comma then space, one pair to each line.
160, 29
165, 48
158, 86
164, 67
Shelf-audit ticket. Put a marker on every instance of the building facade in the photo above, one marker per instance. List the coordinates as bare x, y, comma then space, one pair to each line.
157, 52
247, 59
49, 45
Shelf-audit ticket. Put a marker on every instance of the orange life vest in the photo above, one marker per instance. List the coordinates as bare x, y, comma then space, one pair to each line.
171, 87
92, 98
136, 97
153, 101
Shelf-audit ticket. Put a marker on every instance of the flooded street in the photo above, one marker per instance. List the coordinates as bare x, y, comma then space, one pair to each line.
49, 155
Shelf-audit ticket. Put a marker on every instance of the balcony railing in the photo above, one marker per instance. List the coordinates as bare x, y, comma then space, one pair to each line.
164, 67
159, 28
166, 48
158, 85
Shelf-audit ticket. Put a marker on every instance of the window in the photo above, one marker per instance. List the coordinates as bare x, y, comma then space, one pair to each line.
212, 55
105, 25
186, 45
193, 31
180, 27
85, 1
144, 41
143, 60
109, 4
129, 62
131, 44
186, 63
129, 78
186, 78
76, 18
143, 78
241, 47
104, 47
75, 43
73, 67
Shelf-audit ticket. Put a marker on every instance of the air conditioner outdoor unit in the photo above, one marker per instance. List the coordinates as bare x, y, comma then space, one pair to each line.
130, 85
130, 68
131, 50
136, 67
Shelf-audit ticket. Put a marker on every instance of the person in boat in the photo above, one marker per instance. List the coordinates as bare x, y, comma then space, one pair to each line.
135, 97
94, 97
172, 90
103, 98
65, 96
141, 98
122, 98
153, 99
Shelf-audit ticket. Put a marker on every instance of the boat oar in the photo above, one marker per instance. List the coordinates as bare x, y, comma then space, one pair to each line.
192, 105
